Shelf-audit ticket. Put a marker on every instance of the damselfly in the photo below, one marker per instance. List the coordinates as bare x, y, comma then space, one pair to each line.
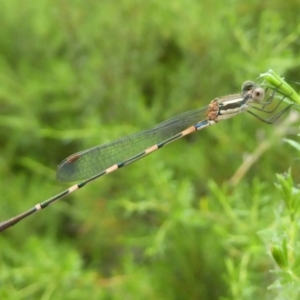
93, 163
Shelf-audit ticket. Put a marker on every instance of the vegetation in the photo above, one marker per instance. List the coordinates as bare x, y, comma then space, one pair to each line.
211, 216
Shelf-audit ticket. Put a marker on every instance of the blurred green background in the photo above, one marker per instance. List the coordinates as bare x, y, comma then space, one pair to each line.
190, 221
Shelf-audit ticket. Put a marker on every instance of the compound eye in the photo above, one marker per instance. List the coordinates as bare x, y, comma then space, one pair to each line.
258, 94
247, 86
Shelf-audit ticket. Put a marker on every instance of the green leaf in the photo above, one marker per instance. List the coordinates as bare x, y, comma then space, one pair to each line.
293, 143
275, 82
280, 255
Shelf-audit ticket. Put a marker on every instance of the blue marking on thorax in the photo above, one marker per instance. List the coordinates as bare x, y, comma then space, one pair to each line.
201, 124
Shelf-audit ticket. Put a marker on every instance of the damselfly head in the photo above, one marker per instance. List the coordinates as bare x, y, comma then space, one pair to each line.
250, 88
247, 86
258, 94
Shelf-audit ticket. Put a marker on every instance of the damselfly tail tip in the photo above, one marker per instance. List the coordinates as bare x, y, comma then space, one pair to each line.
4, 225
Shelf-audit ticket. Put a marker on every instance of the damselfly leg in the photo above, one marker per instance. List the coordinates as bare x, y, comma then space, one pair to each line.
264, 104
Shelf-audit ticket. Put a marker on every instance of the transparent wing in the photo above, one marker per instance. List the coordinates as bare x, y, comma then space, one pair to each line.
87, 163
